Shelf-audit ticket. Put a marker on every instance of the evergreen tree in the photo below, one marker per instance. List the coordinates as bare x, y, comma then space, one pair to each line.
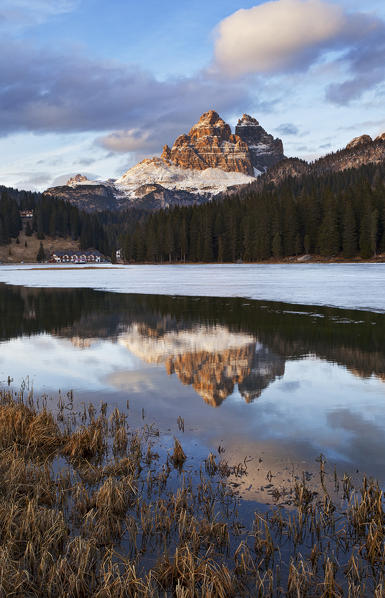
41, 254
277, 246
349, 242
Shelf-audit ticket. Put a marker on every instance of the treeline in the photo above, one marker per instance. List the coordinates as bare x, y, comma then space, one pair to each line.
10, 221
55, 218
337, 214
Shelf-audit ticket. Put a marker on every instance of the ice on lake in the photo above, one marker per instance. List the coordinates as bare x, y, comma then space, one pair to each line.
350, 286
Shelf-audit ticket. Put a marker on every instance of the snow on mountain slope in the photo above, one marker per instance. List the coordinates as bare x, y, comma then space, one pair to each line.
209, 181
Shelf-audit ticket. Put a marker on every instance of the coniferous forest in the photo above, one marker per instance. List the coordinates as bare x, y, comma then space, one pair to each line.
333, 215
57, 218
339, 214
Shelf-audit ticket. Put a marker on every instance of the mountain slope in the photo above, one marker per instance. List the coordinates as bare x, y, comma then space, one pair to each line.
359, 152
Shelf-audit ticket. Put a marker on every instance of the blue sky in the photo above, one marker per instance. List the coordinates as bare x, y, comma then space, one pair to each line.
92, 86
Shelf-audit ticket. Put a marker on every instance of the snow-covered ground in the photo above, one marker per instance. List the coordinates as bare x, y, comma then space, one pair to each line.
211, 180
352, 286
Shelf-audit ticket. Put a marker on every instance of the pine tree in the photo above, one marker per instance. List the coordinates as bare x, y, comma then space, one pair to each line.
329, 239
277, 246
41, 254
349, 241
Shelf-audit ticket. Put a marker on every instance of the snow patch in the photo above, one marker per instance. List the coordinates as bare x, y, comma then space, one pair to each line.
210, 180
74, 184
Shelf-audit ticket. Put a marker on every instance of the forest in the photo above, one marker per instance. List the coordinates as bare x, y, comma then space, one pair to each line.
338, 214
332, 215
57, 218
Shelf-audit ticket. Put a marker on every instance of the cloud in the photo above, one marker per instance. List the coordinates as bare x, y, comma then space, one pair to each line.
287, 129
19, 14
291, 35
366, 62
131, 140
276, 36
29, 180
67, 92
85, 161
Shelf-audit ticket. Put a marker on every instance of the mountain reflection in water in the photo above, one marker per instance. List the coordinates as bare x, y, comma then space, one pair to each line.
209, 358
214, 345
288, 382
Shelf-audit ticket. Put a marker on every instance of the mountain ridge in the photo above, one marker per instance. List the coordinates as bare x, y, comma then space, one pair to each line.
199, 166
211, 161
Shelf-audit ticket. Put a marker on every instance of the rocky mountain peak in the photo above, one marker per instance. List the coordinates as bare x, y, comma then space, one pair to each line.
380, 137
362, 140
210, 144
166, 153
265, 151
211, 117
246, 121
78, 178
210, 124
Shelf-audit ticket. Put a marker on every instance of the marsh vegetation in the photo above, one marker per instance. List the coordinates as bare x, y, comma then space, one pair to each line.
90, 506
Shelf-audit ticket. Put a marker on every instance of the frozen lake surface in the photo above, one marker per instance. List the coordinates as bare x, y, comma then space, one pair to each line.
350, 286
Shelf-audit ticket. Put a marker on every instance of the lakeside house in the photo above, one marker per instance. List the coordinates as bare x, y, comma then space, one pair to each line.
91, 256
26, 213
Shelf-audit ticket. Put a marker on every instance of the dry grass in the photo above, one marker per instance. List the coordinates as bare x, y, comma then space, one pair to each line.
18, 252
121, 521
178, 456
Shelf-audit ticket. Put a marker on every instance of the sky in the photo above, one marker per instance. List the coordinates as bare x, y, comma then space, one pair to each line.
92, 87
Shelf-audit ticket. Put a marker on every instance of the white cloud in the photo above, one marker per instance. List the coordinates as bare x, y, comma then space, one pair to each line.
131, 140
284, 35
19, 14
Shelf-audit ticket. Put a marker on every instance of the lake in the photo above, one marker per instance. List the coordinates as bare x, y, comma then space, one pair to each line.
351, 286
277, 383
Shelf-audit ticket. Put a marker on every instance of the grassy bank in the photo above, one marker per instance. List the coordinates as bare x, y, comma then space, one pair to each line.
92, 507
27, 248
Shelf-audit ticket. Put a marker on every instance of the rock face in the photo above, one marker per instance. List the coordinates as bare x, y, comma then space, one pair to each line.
359, 152
210, 144
89, 197
357, 141
75, 180
264, 150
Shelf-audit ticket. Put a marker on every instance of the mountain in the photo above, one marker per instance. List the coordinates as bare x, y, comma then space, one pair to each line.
359, 152
211, 144
264, 150
211, 161
200, 165
87, 195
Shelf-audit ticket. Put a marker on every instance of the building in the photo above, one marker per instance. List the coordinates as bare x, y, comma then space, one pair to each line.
26, 213
91, 256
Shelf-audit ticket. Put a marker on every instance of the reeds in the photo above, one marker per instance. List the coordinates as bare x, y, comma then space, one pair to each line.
178, 456
124, 518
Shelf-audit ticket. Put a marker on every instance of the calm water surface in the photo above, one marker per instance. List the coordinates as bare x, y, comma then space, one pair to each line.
273, 382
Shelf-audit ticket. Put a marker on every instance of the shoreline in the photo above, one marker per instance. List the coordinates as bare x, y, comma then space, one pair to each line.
300, 259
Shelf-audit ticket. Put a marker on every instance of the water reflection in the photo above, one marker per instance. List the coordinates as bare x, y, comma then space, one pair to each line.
211, 359
290, 383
